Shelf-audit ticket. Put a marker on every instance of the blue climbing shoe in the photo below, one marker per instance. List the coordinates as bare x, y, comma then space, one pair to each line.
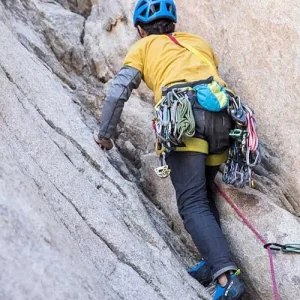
201, 272
233, 290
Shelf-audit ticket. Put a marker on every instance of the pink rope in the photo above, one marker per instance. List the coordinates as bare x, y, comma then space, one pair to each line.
272, 270
258, 235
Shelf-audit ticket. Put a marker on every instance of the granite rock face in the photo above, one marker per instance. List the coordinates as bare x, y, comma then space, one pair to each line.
72, 227
80, 223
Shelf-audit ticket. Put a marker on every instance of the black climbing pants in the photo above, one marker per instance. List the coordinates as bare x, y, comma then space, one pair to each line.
192, 181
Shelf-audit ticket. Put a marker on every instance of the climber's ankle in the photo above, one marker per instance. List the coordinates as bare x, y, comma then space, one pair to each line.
222, 279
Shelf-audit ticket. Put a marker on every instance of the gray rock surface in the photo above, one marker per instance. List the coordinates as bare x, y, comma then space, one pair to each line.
72, 227
77, 222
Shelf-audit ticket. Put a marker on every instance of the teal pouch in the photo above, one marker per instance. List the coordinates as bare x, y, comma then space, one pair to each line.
212, 96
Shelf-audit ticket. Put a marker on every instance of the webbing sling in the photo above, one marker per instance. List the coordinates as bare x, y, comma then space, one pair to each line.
197, 53
193, 50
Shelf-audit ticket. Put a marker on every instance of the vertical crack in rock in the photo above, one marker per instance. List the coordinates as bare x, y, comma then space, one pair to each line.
80, 7
88, 158
7, 74
84, 153
120, 255
40, 189
83, 33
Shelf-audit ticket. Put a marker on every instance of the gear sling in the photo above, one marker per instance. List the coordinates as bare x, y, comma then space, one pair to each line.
193, 117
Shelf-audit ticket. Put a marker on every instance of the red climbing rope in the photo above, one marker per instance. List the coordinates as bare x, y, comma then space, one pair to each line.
258, 235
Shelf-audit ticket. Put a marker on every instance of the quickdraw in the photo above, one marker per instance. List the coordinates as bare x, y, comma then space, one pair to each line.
288, 248
244, 152
174, 120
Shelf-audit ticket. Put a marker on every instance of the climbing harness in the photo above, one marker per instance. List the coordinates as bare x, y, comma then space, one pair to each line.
174, 121
244, 151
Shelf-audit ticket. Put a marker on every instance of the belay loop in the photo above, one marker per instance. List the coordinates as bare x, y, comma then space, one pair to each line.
244, 151
174, 121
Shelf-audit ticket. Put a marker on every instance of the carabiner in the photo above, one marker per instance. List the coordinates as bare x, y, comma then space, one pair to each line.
163, 171
273, 246
236, 133
293, 248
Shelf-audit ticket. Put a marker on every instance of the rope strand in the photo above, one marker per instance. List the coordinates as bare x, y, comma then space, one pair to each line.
258, 235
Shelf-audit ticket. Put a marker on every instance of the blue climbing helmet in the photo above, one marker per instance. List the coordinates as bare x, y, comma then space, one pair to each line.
147, 11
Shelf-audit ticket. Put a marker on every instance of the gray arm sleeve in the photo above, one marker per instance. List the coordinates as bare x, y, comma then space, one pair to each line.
125, 81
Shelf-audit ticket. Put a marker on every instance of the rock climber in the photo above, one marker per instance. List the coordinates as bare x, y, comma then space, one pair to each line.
164, 64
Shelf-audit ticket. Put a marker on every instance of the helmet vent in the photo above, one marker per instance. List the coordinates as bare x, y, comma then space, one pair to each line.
154, 8
170, 8
144, 13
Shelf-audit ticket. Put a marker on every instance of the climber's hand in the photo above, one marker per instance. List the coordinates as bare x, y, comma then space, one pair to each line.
104, 143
